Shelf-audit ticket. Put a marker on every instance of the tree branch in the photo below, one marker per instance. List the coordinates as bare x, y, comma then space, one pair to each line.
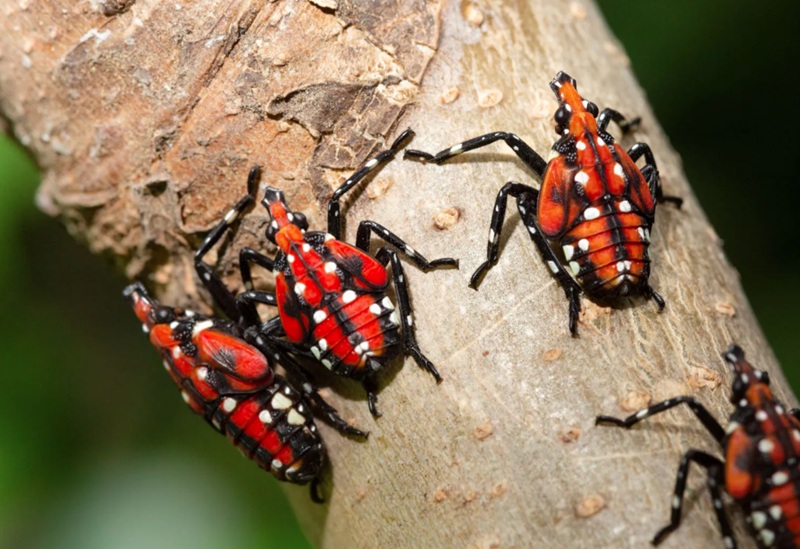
145, 119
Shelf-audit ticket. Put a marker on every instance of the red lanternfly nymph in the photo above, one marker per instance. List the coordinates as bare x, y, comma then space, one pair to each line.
232, 385
223, 371
331, 296
594, 202
760, 470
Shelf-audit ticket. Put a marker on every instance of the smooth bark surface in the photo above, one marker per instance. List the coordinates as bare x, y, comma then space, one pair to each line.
146, 117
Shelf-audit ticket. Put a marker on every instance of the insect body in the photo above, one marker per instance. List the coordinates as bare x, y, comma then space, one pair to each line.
760, 469
232, 385
331, 296
594, 202
223, 370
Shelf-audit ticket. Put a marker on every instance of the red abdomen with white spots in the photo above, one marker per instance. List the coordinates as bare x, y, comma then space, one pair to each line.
332, 301
357, 333
273, 427
608, 254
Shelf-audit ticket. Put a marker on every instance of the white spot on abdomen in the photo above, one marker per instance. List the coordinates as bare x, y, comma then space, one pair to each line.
294, 418
765, 446
229, 405
759, 519
362, 347
280, 402
780, 478
776, 512
576, 268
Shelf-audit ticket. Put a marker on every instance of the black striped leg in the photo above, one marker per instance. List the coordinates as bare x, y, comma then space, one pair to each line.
334, 209
705, 417
273, 328
246, 303
649, 293
715, 470
220, 293
650, 173
314, 491
530, 157
362, 243
248, 256
303, 382
270, 334
410, 345
526, 205
624, 124
512, 189
370, 385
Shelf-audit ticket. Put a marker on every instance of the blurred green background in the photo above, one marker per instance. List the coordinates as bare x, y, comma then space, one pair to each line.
98, 450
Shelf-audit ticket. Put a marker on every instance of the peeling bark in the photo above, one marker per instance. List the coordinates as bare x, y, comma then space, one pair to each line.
145, 118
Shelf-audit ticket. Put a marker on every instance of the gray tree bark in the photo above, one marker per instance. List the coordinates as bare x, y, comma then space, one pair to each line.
146, 116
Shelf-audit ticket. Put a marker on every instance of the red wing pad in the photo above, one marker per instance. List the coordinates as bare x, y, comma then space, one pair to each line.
293, 316
559, 205
233, 355
364, 270
739, 465
637, 188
